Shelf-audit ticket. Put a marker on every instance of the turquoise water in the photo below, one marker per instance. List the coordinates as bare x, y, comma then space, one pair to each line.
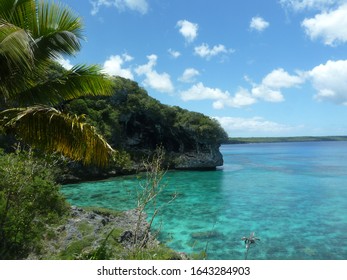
292, 195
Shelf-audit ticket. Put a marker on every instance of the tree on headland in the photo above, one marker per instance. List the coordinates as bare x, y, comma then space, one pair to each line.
33, 34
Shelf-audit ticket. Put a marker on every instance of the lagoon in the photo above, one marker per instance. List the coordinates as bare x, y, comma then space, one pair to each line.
292, 195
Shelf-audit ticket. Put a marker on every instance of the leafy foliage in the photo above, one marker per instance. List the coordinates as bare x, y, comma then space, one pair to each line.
32, 35
29, 200
59, 132
133, 121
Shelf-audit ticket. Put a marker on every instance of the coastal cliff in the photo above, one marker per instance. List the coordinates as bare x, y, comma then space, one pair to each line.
135, 124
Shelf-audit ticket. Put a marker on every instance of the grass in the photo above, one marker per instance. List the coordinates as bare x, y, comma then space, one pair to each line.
159, 252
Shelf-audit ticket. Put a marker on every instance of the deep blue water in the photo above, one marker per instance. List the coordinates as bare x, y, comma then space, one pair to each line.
292, 195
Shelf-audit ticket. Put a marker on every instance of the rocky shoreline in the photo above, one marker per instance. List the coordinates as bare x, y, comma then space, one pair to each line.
208, 158
100, 234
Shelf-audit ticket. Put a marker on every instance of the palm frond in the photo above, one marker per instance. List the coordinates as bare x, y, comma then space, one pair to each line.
81, 80
55, 27
16, 59
15, 48
51, 130
32, 32
21, 13
58, 30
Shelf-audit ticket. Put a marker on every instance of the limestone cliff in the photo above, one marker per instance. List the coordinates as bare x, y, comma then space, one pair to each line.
135, 123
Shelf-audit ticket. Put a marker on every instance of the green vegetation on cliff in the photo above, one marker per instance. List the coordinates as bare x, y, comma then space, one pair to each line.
136, 123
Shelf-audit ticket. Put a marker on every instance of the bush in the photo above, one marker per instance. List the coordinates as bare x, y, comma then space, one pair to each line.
29, 200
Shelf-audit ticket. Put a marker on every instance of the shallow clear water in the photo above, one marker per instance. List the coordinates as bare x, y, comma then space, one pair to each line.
292, 195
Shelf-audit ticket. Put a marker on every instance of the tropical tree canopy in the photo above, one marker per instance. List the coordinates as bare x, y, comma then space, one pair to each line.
33, 34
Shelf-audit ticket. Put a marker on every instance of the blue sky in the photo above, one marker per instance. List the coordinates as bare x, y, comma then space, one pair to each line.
261, 68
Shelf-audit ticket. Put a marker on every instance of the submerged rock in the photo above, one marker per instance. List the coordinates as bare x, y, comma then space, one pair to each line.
206, 234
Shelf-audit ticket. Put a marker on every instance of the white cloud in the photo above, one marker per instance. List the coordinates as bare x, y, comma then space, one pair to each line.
267, 94
160, 82
221, 98
143, 69
188, 30
136, 5
113, 66
140, 6
272, 84
189, 75
64, 62
330, 26
330, 81
254, 125
259, 24
268, 90
299, 5
241, 98
200, 92
279, 78
174, 54
206, 52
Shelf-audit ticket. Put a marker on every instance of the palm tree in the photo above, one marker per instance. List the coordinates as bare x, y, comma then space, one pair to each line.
33, 34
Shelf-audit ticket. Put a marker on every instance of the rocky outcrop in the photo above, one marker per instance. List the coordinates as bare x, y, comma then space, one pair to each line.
102, 233
206, 159
137, 124
185, 149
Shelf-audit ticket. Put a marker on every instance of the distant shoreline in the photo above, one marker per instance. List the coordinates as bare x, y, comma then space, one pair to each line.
252, 140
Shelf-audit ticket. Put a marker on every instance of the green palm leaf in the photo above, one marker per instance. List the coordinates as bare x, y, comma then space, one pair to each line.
81, 80
15, 48
51, 130
58, 30
54, 27
32, 34
16, 59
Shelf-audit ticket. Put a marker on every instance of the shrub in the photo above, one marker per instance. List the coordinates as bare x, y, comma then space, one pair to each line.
29, 200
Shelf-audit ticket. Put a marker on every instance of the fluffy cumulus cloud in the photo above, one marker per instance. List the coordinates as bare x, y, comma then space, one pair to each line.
267, 94
220, 98
259, 24
140, 6
269, 90
272, 84
114, 66
188, 30
205, 51
158, 81
279, 78
330, 26
330, 81
240, 99
255, 125
189, 75
200, 92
